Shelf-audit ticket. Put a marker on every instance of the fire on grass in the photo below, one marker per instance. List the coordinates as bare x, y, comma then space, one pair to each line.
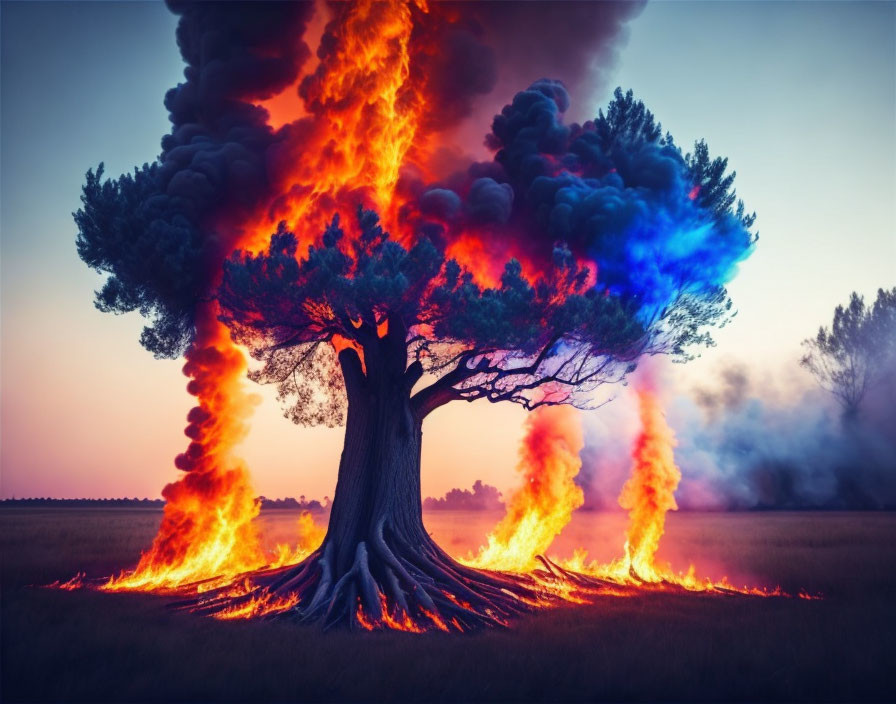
539, 510
536, 514
231, 578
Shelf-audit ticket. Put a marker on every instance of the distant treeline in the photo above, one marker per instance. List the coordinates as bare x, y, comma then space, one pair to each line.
289, 502
455, 500
483, 497
86, 503
266, 503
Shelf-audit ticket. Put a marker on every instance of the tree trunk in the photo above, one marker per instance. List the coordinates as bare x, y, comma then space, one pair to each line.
377, 566
378, 487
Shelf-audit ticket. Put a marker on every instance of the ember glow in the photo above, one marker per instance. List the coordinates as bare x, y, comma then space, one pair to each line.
69, 585
264, 604
401, 621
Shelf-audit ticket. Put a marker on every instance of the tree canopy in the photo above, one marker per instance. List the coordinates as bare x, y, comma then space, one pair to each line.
520, 335
615, 243
663, 231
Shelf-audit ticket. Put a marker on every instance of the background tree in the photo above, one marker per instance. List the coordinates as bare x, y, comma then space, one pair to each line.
856, 351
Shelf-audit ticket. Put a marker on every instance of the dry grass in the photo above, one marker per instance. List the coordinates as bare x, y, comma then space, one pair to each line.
88, 646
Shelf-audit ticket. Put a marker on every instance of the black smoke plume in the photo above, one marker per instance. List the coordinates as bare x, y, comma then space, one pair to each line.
162, 232
159, 232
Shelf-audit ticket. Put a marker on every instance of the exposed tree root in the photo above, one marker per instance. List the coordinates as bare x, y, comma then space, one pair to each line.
390, 584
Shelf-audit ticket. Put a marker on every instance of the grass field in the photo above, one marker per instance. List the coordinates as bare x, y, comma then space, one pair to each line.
89, 646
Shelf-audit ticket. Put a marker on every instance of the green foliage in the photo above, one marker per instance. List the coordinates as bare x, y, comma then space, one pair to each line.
715, 188
627, 120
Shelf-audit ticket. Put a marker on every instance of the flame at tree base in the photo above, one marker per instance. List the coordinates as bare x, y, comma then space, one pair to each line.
526, 579
193, 578
208, 534
207, 528
509, 577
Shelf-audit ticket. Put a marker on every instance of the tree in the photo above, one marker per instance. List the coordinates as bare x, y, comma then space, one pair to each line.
852, 355
619, 255
409, 330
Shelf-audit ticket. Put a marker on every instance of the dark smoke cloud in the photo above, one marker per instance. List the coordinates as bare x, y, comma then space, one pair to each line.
489, 201
159, 232
476, 54
575, 41
615, 190
483, 497
738, 450
237, 53
450, 55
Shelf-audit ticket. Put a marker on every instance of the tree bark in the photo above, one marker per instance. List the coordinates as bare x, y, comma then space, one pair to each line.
377, 566
378, 486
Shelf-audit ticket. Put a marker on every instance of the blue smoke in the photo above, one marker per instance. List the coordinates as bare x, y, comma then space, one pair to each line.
616, 190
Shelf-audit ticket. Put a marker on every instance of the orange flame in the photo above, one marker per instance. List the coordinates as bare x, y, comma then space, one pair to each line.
650, 491
70, 585
206, 529
263, 604
543, 505
649, 494
402, 621
311, 535
363, 118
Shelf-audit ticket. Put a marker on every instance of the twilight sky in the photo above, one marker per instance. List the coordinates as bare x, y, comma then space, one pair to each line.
800, 96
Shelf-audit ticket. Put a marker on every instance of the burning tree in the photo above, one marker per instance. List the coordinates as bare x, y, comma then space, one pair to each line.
532, 279
381, 333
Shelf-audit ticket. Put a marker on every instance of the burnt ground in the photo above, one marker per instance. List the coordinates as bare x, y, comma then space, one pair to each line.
90, 646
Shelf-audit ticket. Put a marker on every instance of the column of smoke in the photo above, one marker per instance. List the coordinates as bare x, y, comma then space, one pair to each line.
212, 172
242, 155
